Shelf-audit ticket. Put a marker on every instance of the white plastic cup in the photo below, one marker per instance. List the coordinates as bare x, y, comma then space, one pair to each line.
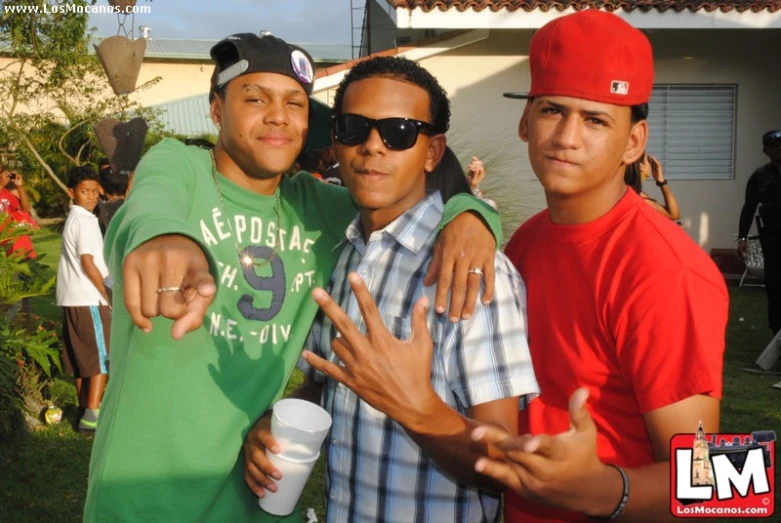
295, 473
300, 427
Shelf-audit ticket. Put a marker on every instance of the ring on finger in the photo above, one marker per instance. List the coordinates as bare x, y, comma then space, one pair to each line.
476, 270
161, 290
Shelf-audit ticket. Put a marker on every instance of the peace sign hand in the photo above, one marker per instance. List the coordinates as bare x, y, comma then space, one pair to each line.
391, 375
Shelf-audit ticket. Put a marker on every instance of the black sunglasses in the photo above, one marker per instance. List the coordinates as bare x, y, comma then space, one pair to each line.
396, 133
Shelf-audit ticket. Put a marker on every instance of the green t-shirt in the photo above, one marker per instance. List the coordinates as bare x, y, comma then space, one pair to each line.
175, 414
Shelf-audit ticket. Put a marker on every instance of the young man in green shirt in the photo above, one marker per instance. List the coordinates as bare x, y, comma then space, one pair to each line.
229, 248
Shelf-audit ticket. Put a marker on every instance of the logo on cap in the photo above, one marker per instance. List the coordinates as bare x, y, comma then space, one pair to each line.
302, 67
619, 87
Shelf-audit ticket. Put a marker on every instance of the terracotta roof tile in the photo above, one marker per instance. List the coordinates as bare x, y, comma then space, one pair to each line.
608, 5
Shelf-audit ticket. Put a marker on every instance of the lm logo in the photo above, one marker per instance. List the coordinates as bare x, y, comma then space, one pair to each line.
722, 475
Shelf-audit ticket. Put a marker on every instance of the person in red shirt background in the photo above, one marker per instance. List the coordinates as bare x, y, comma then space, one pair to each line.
18, 210
627, 340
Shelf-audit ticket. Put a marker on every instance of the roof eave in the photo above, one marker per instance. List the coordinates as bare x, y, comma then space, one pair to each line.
452, 19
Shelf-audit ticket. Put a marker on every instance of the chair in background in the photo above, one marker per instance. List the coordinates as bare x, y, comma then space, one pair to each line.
754, 261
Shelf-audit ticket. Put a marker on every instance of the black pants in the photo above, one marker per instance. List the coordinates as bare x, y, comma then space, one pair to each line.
771, 252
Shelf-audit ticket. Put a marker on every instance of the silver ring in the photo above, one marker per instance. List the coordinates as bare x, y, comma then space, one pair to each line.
161, 290
477, 271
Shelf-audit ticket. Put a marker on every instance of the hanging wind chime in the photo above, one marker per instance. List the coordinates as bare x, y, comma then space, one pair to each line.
121, 57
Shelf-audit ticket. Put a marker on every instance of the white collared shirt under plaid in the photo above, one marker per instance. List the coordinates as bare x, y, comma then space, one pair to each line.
375, 471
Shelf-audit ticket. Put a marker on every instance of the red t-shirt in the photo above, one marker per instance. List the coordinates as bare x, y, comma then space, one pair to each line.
628, 306
10, 205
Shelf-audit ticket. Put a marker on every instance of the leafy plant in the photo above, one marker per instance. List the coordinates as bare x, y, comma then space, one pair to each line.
52, 91
28, 345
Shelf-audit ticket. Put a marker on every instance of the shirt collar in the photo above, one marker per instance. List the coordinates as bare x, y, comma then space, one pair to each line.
411, 230
82, 210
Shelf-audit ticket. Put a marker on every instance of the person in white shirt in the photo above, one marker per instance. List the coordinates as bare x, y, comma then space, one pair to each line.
83, 296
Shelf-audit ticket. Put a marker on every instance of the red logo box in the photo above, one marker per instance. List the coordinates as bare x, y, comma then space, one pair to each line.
723, 475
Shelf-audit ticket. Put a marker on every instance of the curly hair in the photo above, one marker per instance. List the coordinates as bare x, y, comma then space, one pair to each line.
405, 70
81, 173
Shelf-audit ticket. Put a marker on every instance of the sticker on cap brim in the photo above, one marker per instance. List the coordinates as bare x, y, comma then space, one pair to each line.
302, 67
619, 87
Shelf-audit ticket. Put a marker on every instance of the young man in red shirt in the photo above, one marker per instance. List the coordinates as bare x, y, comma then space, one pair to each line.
627, 315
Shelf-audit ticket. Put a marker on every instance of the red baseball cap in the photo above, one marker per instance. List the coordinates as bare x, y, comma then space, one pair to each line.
592, 55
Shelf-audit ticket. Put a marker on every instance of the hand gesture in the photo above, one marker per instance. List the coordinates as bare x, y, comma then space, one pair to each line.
17, 179
391, 375
554, 470
258, 469
475, 172
168, 276
656, 169
463, 255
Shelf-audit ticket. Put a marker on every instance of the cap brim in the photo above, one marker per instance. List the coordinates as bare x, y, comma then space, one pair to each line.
516, 96
319, 135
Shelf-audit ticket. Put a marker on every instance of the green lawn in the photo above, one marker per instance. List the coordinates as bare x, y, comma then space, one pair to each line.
44, 474
47, 245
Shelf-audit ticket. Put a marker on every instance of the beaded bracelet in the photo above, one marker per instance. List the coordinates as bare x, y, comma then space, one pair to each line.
625, 494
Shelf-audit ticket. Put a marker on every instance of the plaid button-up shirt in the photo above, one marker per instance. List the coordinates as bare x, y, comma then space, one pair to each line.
375, 471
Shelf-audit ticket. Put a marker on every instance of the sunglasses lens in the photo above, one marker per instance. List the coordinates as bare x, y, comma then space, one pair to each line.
398, 133
351, 129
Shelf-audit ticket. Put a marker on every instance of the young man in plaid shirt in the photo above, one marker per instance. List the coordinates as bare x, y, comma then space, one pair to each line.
400, 448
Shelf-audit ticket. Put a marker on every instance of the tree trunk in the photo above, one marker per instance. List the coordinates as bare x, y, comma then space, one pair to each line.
43, 163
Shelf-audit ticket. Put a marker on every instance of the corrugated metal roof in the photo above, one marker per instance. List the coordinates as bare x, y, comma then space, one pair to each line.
178, 49
187, 116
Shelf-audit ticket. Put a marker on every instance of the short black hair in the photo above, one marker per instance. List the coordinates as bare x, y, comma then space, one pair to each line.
408, 71
639, 112
81, 173
203, 143
213, 89
114, 184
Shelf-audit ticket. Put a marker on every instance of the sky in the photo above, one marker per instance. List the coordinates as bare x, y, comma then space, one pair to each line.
292, 20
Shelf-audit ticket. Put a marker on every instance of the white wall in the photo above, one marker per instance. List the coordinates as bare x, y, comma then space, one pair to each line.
485, 124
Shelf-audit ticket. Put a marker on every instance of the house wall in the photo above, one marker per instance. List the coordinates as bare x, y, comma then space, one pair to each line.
485, 124
179, 80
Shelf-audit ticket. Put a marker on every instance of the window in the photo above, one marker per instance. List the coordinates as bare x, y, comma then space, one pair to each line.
692, 130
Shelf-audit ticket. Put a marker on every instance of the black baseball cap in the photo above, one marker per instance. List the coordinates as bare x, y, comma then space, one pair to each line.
770, 137
246, 53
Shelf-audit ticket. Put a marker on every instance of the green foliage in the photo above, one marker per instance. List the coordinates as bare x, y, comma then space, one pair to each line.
28, 345
51, 95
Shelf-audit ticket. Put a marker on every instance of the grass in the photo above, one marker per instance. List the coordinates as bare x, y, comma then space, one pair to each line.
47, 245
45, 473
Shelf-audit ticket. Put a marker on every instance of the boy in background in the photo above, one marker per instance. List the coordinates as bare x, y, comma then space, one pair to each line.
115, 187
83, 296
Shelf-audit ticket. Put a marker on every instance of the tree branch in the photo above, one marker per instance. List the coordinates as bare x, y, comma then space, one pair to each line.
43, 163
73, 160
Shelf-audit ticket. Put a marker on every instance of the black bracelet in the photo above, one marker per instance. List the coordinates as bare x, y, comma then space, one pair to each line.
661, 184
624, 495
